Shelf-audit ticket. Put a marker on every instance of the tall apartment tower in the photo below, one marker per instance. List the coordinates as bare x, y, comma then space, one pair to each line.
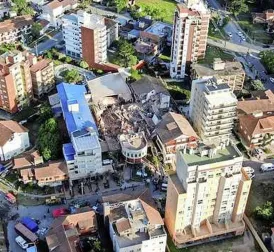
190, 30
212, 110
85, 37
15, 81
207, 196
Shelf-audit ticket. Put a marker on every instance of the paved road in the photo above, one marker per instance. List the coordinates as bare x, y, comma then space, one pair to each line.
48, 44
259, 176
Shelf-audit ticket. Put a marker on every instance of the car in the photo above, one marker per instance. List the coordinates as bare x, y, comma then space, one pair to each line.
230, 34
21, 242
240, 33
258, 151
266, 167
271, 79
243, 38
266, 46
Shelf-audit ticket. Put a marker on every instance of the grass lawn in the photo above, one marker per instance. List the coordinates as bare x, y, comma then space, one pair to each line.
255, 31
212, 33
166, 6
215, 52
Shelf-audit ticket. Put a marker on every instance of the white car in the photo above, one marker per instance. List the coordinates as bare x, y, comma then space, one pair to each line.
230, 34
266, 167
240, 33
21, 242
271, 79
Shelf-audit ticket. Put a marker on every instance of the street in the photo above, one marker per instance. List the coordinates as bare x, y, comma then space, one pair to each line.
260, 176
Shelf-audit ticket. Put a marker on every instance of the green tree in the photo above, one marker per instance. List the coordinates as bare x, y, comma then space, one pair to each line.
21, 7
257, 85
84, 64
45, 112
155, 161
124, 55
237, 6
120, 5
72, 76
267, 58
48, 54
48, 141
264, 212
134, 74
68, 59
35, 30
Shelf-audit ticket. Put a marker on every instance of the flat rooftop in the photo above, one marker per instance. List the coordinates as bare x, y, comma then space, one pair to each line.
225, 154
160, 29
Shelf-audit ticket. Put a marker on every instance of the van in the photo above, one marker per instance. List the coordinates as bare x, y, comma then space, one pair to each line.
21, 242
267, 167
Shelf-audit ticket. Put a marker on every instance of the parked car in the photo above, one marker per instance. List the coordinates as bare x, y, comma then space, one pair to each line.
230, 34
266, 46
271, 79
266, 167
21, 242
59, 212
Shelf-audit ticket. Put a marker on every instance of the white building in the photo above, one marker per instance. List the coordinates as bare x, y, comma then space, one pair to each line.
85, 37
134, 147
14, 139
135, 226
83, 155
54, 10
189, 38
212, 109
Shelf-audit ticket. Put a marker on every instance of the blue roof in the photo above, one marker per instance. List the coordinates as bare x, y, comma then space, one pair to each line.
68, 151
70, 95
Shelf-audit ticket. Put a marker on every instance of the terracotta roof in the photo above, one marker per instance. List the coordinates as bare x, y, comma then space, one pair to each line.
8, 128
26, 174
63, 233
26, 159
40, 65
122, 225
16, 23
182, 8
172, 126
257, 125
56, 3
152, 214
51, 170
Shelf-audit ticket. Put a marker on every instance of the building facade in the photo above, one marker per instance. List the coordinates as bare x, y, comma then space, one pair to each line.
135, 226
230, 72
212, 110
189, 39
85, 37
16, 84
207, 196
83, 154
14, 139
12, 30
42, 76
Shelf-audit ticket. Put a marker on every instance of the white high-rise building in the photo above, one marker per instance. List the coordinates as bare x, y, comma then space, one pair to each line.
212, 110
85, 37
190, 30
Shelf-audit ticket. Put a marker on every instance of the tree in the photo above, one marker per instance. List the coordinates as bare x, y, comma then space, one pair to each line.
72, 76
237, 6
134, 74
124, 55
264, 212
257, 85
35, 30
48, 142
21, 7
45, 112
68, 59
120, 4
267, 58
84, 64
155, 161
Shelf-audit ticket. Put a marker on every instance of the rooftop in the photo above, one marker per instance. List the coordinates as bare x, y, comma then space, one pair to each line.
109, 85
75, 108
135, 141
160, 29
58, 3
228, 153
15, 23
40, 65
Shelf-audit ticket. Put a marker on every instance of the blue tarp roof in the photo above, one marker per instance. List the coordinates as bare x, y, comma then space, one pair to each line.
68, 151
30, 224
75, 94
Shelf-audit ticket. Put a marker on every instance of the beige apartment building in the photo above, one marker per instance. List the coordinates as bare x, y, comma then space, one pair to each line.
42, 76
15, 81
207, 196
230, 72
189, 39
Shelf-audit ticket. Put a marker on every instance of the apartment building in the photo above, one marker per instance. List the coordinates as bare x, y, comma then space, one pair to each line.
212, 110
15, 81
12, 30
87, 36
135, 226
207, 196
83, 154
54, 10
189, 39
42, 76
14, 139
230, 72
